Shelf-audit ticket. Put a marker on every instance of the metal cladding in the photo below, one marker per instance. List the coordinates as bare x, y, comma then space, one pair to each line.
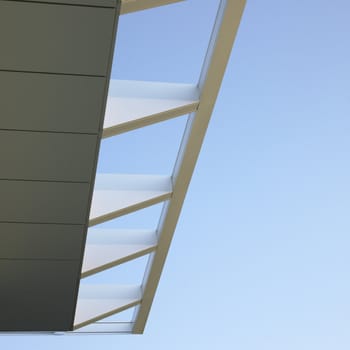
54, 73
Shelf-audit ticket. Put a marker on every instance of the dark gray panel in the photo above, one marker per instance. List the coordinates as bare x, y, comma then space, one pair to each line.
40, 241
37, 295
46, 156
98, 3
50, 102
55, 38
46, 202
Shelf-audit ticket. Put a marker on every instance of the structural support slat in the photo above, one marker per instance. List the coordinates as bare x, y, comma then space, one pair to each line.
105, 327
135, 104
224, 33
128, 6
97, 302
106, 248
115, 195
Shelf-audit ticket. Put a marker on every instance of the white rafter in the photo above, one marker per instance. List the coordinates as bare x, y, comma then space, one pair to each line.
118, 194
96, 302
128, 6
134, 104
106, 248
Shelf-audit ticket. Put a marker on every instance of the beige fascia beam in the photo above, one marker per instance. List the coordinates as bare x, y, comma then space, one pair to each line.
129, 6
221, 42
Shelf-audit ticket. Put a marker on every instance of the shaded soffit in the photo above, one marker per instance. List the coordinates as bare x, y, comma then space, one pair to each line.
57, 104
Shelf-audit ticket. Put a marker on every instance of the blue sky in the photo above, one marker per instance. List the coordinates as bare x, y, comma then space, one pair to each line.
260, 256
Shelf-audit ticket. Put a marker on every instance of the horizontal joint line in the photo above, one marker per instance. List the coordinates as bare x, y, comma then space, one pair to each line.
61, 3
52, 73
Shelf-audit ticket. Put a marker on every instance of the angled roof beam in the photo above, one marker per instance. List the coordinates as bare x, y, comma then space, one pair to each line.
102, 327
106, 248
225, 29
118, 194
135, 104
128, 6
97, 302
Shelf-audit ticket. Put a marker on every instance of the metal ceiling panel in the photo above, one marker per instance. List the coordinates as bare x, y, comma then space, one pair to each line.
37, 295
50, 102
40, 241
46, 202
46, 156
76, 40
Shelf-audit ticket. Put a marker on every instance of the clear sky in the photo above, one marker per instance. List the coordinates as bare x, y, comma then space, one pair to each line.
260, 258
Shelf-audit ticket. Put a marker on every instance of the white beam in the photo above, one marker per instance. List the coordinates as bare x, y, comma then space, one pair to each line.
225, 29
135, 104
96, 302
106, 248
118, 194
128, 6
104, 327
